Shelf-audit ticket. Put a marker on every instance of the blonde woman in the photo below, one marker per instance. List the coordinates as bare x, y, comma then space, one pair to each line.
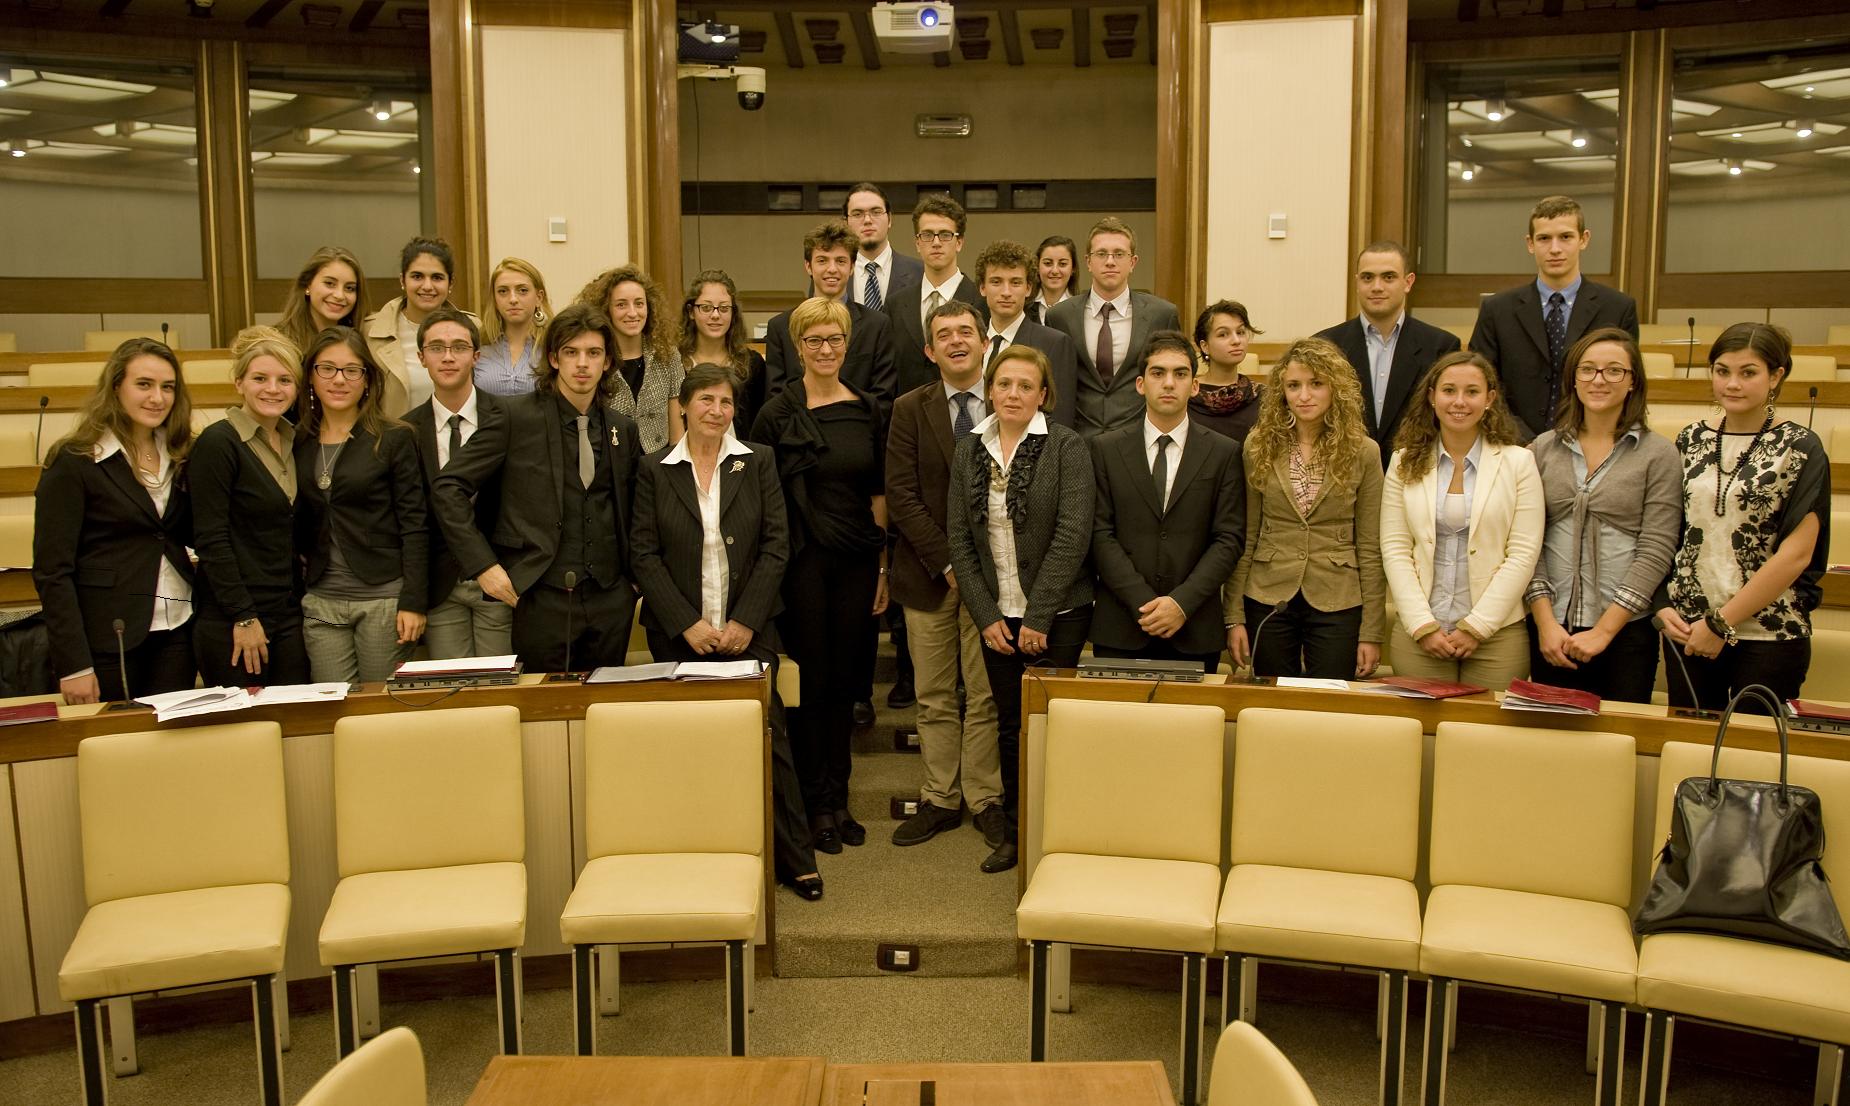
646, 365
1462, 515
512, 329
1313, 509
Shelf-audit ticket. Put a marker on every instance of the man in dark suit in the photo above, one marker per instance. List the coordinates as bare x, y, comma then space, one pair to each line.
1170, 520
559, 549
962, 759
828, 253
1527, 331
1109, 327
870, 217
1002, 274
462, 621
938, 228
1389, 349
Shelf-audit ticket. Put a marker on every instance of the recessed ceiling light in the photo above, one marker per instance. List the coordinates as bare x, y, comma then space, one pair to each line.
1470, 172
1734, 167
382, 110
1577, 139
1803, 127
1495, 110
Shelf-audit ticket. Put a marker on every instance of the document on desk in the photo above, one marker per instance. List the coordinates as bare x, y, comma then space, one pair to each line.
457, 666
280, 694
1311, 683
677, 670
197, 701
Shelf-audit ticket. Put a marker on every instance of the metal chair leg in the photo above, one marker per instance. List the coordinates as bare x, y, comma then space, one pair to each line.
1249, 989
1060, 978
1594, 1025
1229, 989
1440, 997
90, 1052
609, 975
281, 987
1194, 997
584, 1020
346, 1015
1654, 1058
507, 1000
1037, 1000
1829, 1085
1610, 1074
269, 1044
1393, 1036
366, 998
737, 972
122, 1058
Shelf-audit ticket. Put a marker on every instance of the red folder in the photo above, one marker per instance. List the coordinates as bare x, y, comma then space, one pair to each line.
31, 712
1529, 695
1419, 687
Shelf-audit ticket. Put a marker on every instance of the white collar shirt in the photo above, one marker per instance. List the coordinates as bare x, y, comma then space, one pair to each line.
1007, 334
714, 571
883, 272
442, 415
1177, 438
173, 598
1120, 324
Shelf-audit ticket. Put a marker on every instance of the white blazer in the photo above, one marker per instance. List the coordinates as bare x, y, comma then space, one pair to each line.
1507, 520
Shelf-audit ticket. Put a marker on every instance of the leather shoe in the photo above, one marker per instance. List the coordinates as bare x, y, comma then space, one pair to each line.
863, 713
993, 823
823, 836
1001, 860
851, 831
929, 822
809, 888
903, 694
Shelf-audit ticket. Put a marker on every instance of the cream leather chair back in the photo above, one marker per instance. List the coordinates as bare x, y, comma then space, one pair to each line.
674, 778
1829, 674
1543, 811
1839, 444
18, 448
9, 342
1659, 366
16, 541
207, 370
428, 790
177, 810
64, 374
1812, 367
106, 341
1839, 549
1332, 792
1838, 335
1829, 778
385, 1071
1251, 1071
1112, 766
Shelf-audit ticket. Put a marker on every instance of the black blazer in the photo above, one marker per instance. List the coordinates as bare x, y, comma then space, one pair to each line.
912, 367
868, 364
1509, 334
243, 531
1064, 359
524, 450
377, 508
1186, 552
103, 513
1419, 345
444, 573
1099, 406
667, 538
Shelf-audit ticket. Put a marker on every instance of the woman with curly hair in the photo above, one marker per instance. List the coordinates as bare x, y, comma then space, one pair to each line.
647, 362
1313, 508
1461, 530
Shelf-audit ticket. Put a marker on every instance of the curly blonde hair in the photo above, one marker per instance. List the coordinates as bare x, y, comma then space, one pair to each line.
1418, 436
1344, 430
661, 335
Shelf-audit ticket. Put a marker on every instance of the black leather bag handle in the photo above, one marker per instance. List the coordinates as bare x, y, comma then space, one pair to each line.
1766, 696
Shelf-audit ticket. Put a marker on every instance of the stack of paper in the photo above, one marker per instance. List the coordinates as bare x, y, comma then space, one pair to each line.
281, 694
673, 670
1419, 687
458, 666
1529, 695
204, 700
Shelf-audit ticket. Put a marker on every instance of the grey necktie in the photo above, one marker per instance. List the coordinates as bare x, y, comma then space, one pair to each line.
587, 461
1160, 470
932, 303
455, 437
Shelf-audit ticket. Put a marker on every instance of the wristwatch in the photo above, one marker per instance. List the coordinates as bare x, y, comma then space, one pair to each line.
1721, 628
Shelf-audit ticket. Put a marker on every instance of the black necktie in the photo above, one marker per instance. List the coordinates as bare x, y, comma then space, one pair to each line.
995, 347
1160, 471
1034, 311
1555, 323
962, 423
455, 436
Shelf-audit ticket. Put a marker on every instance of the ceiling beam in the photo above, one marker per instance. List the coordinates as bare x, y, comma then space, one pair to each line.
364, 16
1011, 35
1082, 36
863, 25
269, 10
787, 34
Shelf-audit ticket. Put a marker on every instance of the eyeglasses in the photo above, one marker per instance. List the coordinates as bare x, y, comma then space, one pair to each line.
860, 213
833, 341
327, 370
713, 310
1612, 373
455, 349
1110, 255
937, 236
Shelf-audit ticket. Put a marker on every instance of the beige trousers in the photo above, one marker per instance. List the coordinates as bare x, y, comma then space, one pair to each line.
1493, 664
962, 762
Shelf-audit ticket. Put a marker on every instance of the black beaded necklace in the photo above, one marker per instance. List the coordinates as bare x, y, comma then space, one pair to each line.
1722, 486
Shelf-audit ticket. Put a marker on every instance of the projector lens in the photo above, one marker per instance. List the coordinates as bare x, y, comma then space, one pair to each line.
928, 17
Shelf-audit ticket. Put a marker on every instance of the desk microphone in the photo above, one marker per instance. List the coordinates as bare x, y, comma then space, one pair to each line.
122, 659
1256, 678
38, 433
571, 585
164, 341
1811, 394
1694, 710
1689, 353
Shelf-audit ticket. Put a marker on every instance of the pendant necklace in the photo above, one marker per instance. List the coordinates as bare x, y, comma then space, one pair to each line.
326, 479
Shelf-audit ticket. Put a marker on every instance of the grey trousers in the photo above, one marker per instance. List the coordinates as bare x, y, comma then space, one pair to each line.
469, 624
351, 639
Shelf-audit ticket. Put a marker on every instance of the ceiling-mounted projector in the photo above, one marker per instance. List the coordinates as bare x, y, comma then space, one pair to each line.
915, 28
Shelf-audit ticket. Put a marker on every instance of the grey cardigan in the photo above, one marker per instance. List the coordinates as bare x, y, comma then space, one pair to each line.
1640, 495
1053, 537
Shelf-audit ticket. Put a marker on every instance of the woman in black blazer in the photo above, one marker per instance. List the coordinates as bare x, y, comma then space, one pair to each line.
109, 486
709, 549
360, 517
242, 474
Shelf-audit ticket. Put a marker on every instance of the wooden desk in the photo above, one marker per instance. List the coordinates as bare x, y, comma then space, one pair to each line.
650, 1081
1118, 1083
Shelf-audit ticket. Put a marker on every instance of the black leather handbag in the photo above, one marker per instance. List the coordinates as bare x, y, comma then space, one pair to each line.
1744, 858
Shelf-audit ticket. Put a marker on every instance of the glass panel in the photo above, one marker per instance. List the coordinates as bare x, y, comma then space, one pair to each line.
98, 170
337, 162
1759, 145
1497, 137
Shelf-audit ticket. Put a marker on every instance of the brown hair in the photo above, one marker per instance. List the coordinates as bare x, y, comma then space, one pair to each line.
576, 320
1388, 245
1571, 415
297, 324
373, 418
1110, 224
1418, 436
1004, 254
658, 330
1022, 353
492, 324
102, 411
1344, 430
828, 236
448, 314
1223, 307
944, 206
703, 376
1769, 343
1554, 207
736, 348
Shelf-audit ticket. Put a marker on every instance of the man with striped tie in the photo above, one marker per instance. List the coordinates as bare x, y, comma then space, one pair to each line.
879, 273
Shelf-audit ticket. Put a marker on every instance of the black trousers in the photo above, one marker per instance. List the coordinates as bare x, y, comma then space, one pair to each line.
288, 663
826, 627
789, 822
1158, 649
1625, 671
1065, 638
1302, 640
162, 662
1779, 665
599, 621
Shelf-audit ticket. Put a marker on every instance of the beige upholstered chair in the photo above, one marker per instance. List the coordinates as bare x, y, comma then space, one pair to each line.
1838, 335
106, 341
64, 374
9, 342
1460, 331
1650, 334
16, 540
1839, 550
1829, 675
674, 836
386, 1071
1808, 367
429, 821
207, 370
18, 449
1531, 873
1251, 1071
1753, 984
186, 873
1659, 366
1326, 839
1131, 848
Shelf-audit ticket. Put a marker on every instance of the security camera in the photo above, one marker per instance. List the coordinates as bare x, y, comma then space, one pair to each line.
750, 86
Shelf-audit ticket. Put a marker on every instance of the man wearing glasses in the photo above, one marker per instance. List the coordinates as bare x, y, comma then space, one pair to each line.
828, 258
1110, 327
879, 273
462, 621
938, 228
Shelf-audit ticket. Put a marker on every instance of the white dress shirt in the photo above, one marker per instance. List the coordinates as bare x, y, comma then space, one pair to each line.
173, 600
1176, 437
1011, 600
713, 569
884, 267
1007, 334
1120, 325
926, 288
442, 415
